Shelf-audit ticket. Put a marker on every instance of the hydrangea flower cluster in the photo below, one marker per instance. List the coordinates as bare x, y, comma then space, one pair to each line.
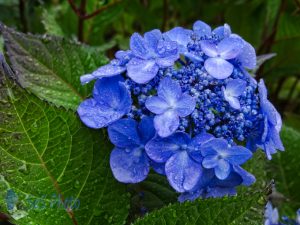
182, 103
272, 217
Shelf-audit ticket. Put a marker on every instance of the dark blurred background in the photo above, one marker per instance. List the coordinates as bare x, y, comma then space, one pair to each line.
272, 26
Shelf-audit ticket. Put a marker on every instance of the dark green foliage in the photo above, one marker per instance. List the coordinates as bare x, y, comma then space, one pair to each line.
50, 67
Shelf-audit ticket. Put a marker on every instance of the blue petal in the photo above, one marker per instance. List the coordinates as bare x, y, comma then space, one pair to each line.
229, 48
210, 161
209, 48
201, 139
123, 133
104, 71
192, 57
169, 90
262, 90
234, 179
222, 31
214, 145
112, 95
158, 167
156, 105
185, 105
152, 38
218, 68
247, 57
146, 129
182, 172
181, 36
195, 145
138, 46
248, 178
141, 71
233, 101
222, 170
93, 115
166, 123
129, 167
167, 49
235, 87
202, 29
237, 155
161, 149
123, 56
167, 61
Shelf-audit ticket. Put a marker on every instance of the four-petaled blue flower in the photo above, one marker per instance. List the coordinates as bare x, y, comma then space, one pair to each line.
182, 167
169, 105
129, 161
233, 90
219, 156
217, 65
149, 54
111, 101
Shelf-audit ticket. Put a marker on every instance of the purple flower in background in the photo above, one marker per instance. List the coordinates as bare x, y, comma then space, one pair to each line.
129, 161
233, 90
219, 156
169, 105
271, 215
150, 53
111, 100
114, 68
182, 170
217, 64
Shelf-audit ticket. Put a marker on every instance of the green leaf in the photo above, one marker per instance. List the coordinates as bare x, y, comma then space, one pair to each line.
285, 170
50, 23
223, 211
50, 67
48, 156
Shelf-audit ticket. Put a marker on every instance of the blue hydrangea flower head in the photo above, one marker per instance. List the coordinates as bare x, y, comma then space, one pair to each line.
182, 102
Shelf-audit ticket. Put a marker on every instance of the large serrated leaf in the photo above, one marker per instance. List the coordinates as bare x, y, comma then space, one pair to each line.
50, 67
46, 152
223, 211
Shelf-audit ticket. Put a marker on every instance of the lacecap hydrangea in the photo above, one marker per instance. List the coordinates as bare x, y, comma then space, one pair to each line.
183, 103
